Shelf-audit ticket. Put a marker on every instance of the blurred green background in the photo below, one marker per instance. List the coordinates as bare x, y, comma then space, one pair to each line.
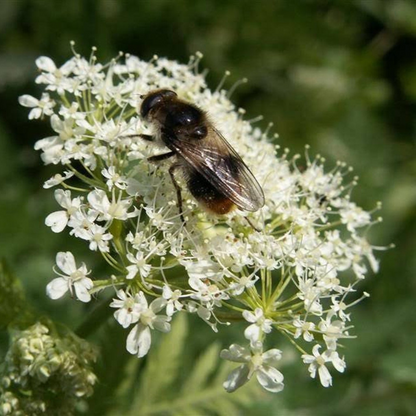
338, 75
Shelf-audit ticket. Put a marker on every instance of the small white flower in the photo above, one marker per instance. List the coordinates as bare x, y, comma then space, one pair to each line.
83, 226
204, 269
59, 219
317, 363
354, 217
129, 308
304, 328
72, 112
139, 338
41, 107
67, 129
57, 79
260, 324
205, 291
362, 247
114, 209
332, 332
243, 283
114, 178
257, 362
172, 300
311, 295
140, 265
338, 307
99, 239
73, 279
58, 179
53, 149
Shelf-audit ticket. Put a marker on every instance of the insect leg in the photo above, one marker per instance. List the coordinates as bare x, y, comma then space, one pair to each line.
147, 137
251, 224
178, 189
159, 158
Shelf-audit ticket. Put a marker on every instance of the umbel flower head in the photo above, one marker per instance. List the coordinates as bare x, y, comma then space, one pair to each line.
289, 267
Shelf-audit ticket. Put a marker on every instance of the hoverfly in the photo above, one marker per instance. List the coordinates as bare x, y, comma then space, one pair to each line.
214, 173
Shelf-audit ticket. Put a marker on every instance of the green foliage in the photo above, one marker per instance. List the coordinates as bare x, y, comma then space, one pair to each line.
13, 306
164, 390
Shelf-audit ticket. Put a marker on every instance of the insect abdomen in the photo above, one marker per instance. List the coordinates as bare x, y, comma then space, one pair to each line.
207, 195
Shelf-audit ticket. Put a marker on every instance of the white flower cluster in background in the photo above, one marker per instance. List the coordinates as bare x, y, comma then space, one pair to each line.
39, 356
289, 267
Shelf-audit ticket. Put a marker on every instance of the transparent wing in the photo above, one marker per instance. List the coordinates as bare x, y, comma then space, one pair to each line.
215, 159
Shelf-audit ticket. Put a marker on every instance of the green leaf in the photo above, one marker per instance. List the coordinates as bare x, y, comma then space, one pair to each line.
117, 371
202, 369
163, 364
13, 305
201, 392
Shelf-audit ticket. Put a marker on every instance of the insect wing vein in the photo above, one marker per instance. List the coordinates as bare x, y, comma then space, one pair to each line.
217, 161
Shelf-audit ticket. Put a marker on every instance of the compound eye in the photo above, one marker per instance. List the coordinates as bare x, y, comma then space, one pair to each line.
153, 99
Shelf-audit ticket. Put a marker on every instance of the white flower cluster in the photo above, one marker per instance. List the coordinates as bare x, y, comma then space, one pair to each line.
288, 267
42, 357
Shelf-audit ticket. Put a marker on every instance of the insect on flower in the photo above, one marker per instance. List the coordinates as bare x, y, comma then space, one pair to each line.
214, 173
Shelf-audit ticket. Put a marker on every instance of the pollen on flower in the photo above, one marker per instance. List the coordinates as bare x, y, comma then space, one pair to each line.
289, 267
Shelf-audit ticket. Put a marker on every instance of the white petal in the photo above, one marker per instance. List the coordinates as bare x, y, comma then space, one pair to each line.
56, 123
66, 262
324, 376
235, 353
339, 365
45, 64
84, 124
249, 316
121, 294
46, 143
170, 309
337, 362
67, 67
315, 350
307, 358
63, 198
167, 292
57, 221
57, 288
122, 317
28, 101
81, 289
252, 333
272, 356
35, 113
131, 343
145, 340
140, 299
258, 313
139, 340
236, 378
270, 379
374, 264
157, 305
132, 271
116, 303
161, 323
99, 200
